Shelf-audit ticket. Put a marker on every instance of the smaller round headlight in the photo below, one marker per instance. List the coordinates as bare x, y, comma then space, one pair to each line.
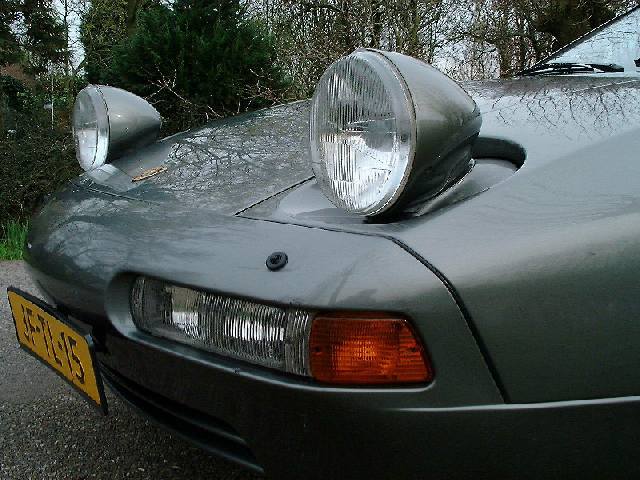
91, 128
108, 122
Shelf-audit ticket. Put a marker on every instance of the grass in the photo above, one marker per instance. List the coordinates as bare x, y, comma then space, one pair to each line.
13, 236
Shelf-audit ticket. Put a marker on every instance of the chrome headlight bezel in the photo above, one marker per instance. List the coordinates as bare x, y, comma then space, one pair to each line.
90, 156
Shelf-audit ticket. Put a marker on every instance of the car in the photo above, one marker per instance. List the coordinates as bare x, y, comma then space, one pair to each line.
402, 278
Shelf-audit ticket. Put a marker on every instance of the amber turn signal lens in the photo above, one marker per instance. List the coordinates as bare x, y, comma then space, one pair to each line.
366, 349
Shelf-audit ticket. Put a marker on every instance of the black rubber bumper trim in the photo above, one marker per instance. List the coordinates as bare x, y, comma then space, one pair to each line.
206, 432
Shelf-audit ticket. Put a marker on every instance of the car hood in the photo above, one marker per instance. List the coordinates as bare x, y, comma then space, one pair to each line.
543, 265
551, 117
225, 166
232, 164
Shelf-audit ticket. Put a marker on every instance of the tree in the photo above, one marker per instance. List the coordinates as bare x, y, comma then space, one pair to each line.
311, 34
9, 48
43, 38
197, 60
104, 25
525, 31
30, 33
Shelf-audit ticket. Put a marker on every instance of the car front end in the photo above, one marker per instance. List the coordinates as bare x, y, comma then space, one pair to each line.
243, 289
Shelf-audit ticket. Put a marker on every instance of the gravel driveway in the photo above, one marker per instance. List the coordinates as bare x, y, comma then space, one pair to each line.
48, 431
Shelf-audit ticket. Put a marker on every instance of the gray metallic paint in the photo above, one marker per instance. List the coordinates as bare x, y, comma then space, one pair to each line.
546, 261
133, 122
542, 282
227, 255
228, 164
525, 291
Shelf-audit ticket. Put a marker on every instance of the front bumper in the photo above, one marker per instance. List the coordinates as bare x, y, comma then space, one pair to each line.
304, 432
85, 247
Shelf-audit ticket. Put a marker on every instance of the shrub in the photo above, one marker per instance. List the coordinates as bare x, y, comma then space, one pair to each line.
197, 60
103, 26
36, 156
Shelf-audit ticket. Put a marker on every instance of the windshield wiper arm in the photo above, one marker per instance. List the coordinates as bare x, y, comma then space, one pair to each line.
568, 68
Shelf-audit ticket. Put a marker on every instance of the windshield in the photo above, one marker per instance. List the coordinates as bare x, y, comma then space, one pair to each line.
618, 42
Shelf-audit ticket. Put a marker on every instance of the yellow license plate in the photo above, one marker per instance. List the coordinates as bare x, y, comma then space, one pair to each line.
42, 333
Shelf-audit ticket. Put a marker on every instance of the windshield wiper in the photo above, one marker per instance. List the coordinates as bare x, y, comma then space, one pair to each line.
569, 68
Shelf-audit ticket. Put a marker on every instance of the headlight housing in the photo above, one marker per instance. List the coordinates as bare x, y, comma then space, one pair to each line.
387, 129
108, 121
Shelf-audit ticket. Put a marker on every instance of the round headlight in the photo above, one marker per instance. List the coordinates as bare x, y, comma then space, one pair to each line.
362, 133
387, 128
108, 122
91, 128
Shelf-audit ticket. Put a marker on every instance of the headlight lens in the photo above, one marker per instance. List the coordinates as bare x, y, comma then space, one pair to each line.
91, 128
362, 134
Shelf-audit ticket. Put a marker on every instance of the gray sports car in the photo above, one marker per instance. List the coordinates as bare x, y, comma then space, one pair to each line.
400, 278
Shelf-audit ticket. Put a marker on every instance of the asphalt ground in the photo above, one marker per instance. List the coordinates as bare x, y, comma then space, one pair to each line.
48, 431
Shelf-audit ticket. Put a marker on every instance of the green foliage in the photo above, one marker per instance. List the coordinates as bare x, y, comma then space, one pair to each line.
103, 26
32, 34
197, 60
11, 91
44, 38
9, 51
36, 156
13, 236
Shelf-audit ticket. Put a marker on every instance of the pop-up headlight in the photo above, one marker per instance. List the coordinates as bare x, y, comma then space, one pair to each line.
387, 129
107, 121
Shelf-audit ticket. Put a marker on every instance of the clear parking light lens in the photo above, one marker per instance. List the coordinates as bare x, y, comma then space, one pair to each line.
362, 133
91, 128
262, 334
